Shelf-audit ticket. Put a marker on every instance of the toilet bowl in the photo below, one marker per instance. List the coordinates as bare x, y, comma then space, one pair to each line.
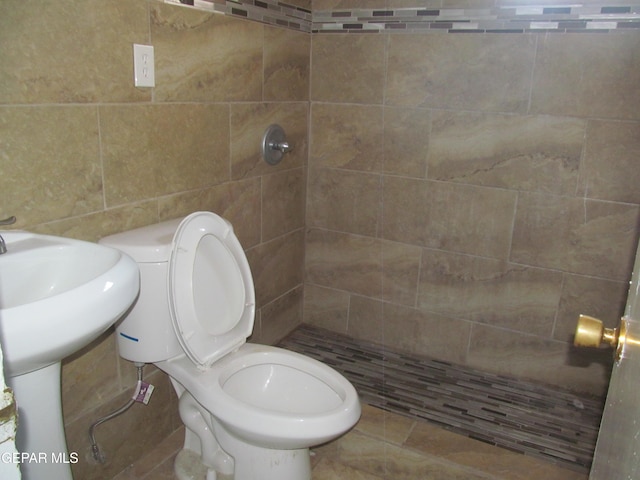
251, 411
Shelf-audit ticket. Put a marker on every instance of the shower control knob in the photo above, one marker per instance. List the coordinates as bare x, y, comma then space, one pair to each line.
274, 144
282, 146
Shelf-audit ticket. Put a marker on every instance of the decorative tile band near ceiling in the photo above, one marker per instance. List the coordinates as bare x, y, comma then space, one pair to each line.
512, 19
272, 12
574, 18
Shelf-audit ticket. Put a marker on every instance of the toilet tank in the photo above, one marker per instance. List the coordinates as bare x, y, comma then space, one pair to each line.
146, 333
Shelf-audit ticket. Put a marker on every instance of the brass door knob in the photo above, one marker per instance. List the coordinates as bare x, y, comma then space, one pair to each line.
590, 332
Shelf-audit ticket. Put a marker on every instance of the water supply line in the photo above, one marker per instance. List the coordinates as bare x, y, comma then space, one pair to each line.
95, 450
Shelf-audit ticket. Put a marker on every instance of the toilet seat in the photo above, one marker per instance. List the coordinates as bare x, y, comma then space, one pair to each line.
210, 289
223, 390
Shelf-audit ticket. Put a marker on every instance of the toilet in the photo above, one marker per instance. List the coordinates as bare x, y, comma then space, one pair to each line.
250, 411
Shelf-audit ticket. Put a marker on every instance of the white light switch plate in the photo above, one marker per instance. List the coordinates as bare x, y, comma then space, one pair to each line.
144, 72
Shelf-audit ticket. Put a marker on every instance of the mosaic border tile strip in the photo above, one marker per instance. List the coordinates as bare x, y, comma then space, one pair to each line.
561, 18
548, 423
508, 19
271, 12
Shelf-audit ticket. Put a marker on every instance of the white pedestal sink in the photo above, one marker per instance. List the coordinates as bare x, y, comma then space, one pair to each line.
56, 296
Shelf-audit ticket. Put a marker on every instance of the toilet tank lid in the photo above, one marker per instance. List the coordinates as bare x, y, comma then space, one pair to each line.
150, 244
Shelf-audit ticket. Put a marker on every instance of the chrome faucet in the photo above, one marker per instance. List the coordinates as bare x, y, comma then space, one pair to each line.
6, 221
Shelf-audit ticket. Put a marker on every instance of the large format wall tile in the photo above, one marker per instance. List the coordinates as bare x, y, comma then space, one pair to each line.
220, 57
283, 195
155, 150
344, 261
286, 65
406, 141
70, 52
335, 77
346, 136
50, 163
588, 75
611, 165
400, 270
366, 319
489, 291
459, 218
426, 333
279, 317
423, 72
535, 153
277, 266
326, 308
579, 236
344, 200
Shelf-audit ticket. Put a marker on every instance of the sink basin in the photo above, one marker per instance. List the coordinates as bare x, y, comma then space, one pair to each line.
57, 295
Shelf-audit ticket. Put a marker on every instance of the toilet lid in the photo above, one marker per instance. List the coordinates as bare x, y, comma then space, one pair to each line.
211, 295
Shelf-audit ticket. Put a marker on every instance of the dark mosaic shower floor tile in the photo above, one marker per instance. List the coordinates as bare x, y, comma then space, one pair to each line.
524, 417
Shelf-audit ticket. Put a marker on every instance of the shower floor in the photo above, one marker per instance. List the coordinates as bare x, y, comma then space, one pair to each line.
548, 423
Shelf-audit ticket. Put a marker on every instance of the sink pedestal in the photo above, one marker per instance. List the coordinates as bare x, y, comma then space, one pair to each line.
40, 426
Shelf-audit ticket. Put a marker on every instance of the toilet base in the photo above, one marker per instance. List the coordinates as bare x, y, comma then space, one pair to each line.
284, 465
188, 466
275, 465
211, 452
252, 462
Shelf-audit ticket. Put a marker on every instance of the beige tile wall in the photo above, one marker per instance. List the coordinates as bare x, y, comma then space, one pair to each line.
83, 153
469, 195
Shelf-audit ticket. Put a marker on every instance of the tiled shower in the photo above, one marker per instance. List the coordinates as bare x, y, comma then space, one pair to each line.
461, 193
470, 194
